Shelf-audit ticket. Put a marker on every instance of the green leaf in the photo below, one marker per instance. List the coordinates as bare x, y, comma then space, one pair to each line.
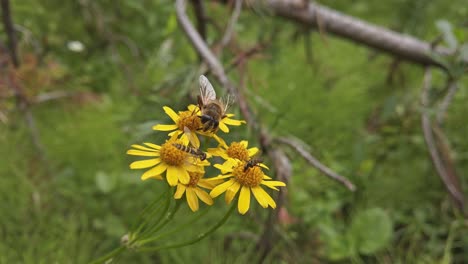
371, 230
339, 246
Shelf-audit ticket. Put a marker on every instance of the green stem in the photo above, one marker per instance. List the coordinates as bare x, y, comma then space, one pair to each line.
196, 239
167, 219
175, 230
108, 256
152, 216
148, 210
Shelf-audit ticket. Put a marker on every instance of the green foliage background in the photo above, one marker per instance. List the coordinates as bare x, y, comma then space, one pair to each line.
74, 203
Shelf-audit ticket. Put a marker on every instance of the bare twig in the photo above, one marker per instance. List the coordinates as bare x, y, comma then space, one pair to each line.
232, 23
453, 87
448, 177
9, 29
316, 163
239, 59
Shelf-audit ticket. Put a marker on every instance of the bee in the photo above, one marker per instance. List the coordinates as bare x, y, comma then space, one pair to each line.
212, 109
252, 163
191, 150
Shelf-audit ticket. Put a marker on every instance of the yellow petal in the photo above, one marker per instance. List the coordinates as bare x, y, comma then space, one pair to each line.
193, 108
171, 114
141, 164
192, 199
184, 176
221, 188
216, 151
174, 134
223, 127
265, 167
219, 177
135, 152
180, 191
244, 200
220, 140
233, 122
154, 172
204, 196
164, 127
252, 151
172, 175
226, 166
151, 145
231, 192
143, 148
274, 183
260, 194
244, 143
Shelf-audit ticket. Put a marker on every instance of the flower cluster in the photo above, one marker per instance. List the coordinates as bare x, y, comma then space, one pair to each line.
181, 161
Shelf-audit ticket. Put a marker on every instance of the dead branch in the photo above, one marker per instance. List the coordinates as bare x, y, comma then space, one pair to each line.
316, 163
331, 21
445, 171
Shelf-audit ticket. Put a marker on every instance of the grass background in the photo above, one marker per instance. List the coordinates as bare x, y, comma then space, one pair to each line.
74, 203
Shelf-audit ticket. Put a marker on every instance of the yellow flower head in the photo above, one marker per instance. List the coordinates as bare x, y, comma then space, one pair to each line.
166, 158
188, 125
185, 119
247, 179
236, 150
193, 192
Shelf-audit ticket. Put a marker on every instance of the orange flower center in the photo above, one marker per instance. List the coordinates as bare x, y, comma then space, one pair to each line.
251, 177
237, 151
190, 120
172, 155
194, 178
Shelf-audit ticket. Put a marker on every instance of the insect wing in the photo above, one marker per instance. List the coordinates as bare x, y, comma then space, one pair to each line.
227, 102
207, 91
192, 138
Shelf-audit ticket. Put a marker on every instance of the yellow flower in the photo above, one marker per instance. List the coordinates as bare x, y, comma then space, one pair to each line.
188, 123
185, 119
193, 192
166, 158
246, 179
237, 150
